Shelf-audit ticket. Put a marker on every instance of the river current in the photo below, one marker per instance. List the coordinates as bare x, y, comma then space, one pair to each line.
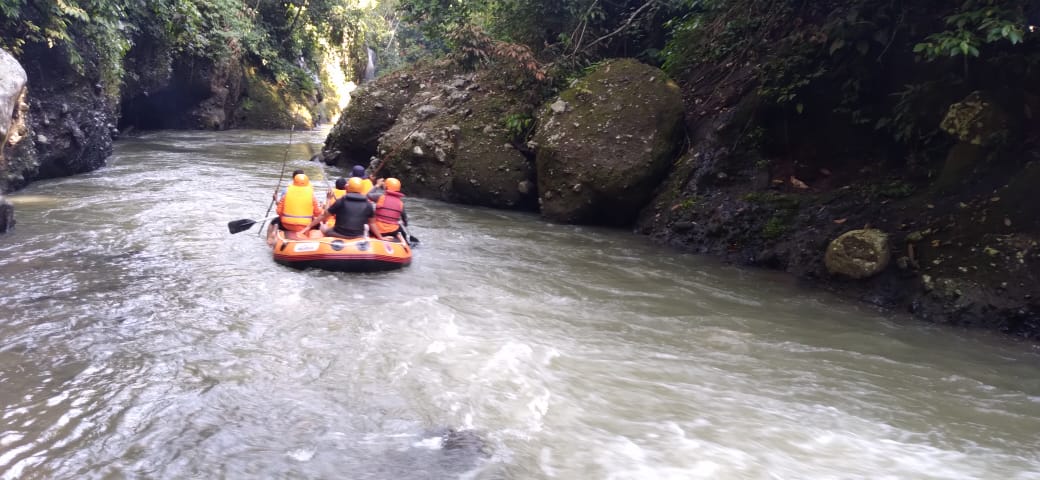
139, 339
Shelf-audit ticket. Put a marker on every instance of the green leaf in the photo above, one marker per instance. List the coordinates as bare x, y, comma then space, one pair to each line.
799, 108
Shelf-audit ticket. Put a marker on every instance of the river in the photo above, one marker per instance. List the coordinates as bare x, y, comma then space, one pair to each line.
139, 339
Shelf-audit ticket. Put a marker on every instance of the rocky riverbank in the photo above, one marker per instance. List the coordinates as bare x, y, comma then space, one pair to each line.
678, 161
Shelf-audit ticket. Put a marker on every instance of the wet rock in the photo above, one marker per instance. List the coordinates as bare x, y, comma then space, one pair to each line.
858, 253
6, 215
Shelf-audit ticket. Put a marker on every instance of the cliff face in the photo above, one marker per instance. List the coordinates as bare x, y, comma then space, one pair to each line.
66, 128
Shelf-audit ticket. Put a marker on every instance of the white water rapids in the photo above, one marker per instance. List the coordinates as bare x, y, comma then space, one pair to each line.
138, 339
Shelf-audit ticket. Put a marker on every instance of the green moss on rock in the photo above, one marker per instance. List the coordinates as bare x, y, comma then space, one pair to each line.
606, 142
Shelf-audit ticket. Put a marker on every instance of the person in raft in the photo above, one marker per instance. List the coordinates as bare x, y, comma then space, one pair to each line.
359, 172
353, 212
337, 192
297, 207
277, 196
389, 210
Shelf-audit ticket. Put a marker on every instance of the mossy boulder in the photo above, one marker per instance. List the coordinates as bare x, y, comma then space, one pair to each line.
452, 142
606, 142
372, 110
976, 121
858, 253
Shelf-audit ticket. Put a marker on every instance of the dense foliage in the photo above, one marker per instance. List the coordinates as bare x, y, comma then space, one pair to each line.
893, 67
287, 38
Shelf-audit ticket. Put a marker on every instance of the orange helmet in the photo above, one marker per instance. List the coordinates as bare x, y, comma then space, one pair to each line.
355, 185
300, 180
393, 185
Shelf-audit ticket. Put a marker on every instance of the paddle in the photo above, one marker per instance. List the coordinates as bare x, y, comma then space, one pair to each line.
236, 226
412, 241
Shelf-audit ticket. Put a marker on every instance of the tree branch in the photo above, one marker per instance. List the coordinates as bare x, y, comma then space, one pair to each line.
631, 18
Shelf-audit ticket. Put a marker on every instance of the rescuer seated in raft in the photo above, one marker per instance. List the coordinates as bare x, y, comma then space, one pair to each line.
353, 213
389, 213
297, 207
336, 193
366, 183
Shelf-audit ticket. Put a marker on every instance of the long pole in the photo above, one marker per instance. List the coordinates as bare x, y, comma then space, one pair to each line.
285, 159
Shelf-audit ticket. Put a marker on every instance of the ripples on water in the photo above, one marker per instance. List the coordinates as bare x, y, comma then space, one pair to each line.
139, 340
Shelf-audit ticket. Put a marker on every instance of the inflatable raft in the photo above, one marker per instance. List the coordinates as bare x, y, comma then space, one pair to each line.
338, 254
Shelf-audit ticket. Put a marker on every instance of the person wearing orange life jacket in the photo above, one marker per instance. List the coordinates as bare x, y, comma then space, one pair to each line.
297, 207
277, 196
389, 210
335, 194
366, 183
353, 212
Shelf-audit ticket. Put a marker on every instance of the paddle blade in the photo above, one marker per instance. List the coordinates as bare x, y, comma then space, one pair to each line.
413, 241
242, 225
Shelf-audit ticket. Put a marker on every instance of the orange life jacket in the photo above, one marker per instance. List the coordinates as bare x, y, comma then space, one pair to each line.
336, 195
298, 207
388, 212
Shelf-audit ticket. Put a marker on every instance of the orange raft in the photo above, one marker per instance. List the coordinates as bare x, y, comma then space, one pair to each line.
338, 254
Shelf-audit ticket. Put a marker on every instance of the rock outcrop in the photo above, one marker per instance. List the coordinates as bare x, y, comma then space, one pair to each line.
183, 93
454, 142
17, 160
12, 88
372, 110
70, 122
607, 142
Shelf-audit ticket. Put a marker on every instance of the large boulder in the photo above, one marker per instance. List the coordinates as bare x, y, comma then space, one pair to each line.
606, 142
372, 110
17, 158
12, 87
858, 253
976, 120
460, 140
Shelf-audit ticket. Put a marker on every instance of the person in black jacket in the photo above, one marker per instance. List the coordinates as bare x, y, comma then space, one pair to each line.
353, 212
